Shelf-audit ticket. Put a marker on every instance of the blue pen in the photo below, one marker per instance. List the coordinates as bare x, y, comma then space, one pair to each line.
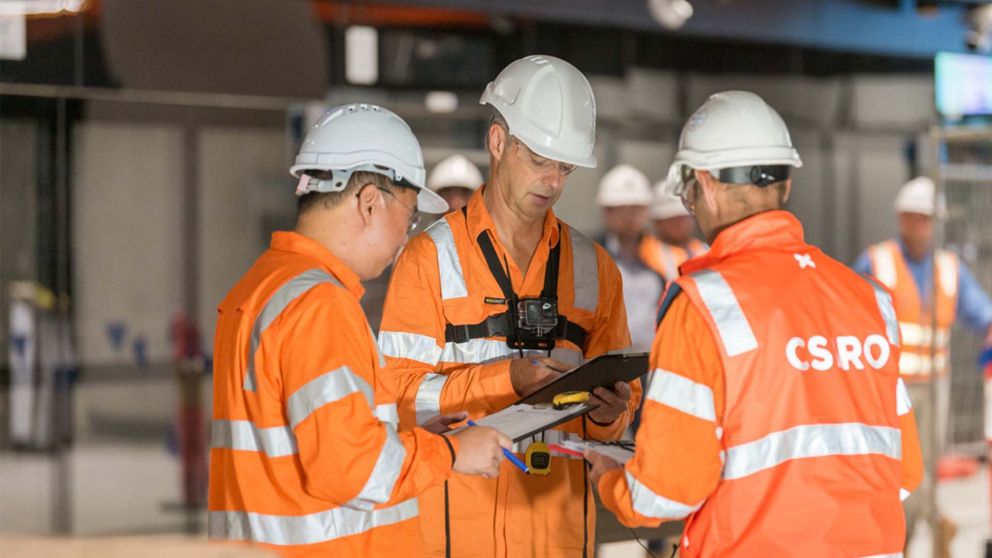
509, 454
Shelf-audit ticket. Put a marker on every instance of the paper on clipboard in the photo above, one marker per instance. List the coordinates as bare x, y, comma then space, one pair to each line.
522, 420
620, 451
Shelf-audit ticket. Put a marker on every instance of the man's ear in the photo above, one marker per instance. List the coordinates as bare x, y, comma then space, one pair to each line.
368, 201
786, 191
708, 186
498, 141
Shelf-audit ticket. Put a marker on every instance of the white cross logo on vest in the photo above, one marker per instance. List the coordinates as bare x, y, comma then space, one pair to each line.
804, 260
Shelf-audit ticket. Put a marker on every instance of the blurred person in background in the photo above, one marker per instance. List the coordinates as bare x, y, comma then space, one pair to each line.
675, 229
906, 266
455, 179
775, 422
305, 455
455, 337
624, 195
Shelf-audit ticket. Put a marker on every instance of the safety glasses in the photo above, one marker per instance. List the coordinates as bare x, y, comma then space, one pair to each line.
414, 216
542, 164
685, 189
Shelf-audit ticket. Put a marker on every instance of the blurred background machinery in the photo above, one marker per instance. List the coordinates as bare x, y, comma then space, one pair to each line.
144, 148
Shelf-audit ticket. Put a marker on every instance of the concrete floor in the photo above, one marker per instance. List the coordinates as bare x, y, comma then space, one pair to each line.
964, 501
118, 489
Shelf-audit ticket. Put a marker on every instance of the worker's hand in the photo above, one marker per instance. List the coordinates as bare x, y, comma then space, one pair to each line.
612, 402
479, 451
599, 464
988, 338
442, 423
530, 374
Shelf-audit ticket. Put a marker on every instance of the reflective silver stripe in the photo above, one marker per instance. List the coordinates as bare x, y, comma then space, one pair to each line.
884, 301
387, 413
290, 291
312, 528
921, 336
903, 403
483, 351
428, 400
448, 264
947, 273
903, 494
585, 271
384, 474
735, 332
398, 344
326, 388
423, 348
668, 259
682, 394
893, 555
646, 502
814, 440
375, 343
243, 435
883, 264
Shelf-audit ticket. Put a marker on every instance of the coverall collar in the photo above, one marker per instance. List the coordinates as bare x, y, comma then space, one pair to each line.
296, 243
480, 220
768, 230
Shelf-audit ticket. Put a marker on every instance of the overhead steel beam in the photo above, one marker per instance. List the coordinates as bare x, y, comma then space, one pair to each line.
846, 25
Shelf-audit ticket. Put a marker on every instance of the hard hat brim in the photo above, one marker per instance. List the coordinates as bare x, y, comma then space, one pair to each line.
429, 201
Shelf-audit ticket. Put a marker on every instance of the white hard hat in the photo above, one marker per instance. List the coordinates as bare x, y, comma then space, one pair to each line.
916, 196
733, 129
665, 205
548, 105
455, 171
624, 185
363, 137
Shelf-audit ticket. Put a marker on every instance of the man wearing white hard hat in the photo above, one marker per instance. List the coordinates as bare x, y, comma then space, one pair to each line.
774, 421
492, 301
673, 224
905, 265
455, 179
306, 457
624, 195
672, 242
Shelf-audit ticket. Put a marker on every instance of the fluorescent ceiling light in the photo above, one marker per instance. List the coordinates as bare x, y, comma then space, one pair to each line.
361, 55
441, 101
39, 7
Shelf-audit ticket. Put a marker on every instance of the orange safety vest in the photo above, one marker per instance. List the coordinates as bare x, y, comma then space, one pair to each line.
664, 258
697, 247
661, 257
305, 457
916, 318
811, 417
442, 279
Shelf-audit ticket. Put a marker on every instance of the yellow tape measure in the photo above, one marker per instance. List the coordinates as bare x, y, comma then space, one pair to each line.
570, 398
538, 458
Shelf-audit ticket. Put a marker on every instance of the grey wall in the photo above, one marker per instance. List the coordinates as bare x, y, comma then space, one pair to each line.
18, 209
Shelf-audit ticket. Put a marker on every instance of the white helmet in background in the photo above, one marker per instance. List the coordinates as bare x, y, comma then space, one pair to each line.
363, 137
665, 205
917, 196
548, 105
624, 185
455, 172
734, 130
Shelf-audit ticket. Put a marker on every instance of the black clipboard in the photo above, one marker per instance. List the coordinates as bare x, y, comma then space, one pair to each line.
602, 371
